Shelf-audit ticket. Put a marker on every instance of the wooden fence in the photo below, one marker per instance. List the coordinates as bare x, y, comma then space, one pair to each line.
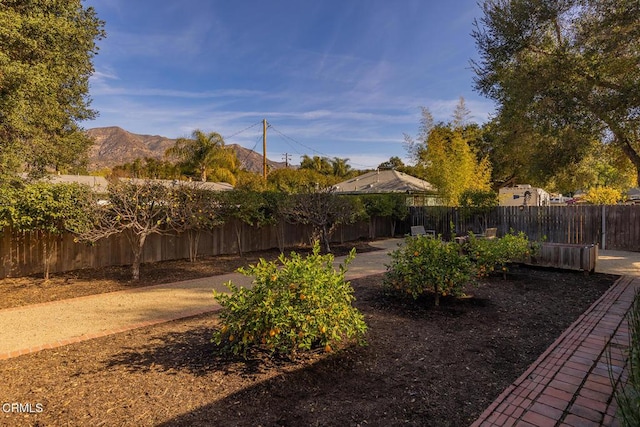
611, 227
21, 253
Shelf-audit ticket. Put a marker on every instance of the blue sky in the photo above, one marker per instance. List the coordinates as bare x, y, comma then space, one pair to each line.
337, 78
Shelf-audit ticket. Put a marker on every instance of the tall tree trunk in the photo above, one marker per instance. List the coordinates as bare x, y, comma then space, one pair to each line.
325, 239
629, 151
137, 257
372, 227
280, 235
194, 240
47, 254
635, 159
238, 240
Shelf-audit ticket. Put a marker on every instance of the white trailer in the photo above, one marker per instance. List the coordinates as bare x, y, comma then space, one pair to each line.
523, 195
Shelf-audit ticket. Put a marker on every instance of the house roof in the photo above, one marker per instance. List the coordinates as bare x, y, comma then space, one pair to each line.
384, 181
213, 186
100, 184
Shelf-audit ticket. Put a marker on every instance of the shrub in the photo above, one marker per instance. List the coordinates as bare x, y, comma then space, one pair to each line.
491, 255
603, 196
424, 264
296, 304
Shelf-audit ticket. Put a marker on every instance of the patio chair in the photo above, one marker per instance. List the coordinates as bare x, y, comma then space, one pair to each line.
418, 230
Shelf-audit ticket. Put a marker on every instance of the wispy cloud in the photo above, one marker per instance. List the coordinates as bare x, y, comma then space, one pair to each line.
336, 78
101, 89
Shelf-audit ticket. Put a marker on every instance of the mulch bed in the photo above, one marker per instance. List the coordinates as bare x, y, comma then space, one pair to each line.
423, 365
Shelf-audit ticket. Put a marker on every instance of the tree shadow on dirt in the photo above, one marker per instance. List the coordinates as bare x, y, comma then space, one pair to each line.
190, 351
346, 388
404, 305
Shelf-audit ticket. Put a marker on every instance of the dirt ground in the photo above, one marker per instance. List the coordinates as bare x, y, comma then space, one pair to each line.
423, 365
22, 291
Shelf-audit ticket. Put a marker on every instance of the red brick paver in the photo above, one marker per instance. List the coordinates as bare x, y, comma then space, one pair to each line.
569, 384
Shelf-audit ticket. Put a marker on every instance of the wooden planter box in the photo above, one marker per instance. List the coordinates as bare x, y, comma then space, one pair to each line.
566, 256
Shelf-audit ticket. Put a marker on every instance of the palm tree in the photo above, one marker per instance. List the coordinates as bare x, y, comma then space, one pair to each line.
205, 154
341, 167
316, 163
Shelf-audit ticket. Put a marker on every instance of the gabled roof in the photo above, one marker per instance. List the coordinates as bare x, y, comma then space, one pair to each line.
212, 186
385, 181
98, 184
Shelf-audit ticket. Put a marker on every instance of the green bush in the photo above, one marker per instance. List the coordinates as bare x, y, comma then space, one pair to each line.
491, 255
425, 264
296, 304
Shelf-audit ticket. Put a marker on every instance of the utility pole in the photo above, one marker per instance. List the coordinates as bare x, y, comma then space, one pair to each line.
264, 148
287, 158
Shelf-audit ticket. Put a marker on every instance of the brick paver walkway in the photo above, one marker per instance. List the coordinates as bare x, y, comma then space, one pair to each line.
570, 384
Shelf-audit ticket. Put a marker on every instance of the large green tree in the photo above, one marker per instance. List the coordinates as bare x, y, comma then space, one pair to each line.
563, 71
205, 156
46, 51
522, 154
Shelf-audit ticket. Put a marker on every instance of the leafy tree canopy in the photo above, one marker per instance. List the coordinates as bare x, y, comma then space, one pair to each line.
603, 196
316, 163
298, 180
147, 168
604, 166
46, 51
562, 73
50, 209
324, 211
394, 163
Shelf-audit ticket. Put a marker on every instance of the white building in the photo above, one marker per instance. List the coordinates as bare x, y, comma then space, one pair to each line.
523, 195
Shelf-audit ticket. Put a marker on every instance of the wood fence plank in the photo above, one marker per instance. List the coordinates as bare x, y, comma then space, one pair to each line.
578, 224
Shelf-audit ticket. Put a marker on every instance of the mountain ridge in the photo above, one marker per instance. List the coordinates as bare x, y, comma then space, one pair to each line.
114, 146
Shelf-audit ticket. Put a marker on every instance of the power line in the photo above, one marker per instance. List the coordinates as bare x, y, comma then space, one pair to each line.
287, 137
316, 151
293, 147
252, 149
300, 143
243, 130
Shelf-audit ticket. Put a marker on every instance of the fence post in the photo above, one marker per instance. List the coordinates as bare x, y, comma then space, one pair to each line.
603, 237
